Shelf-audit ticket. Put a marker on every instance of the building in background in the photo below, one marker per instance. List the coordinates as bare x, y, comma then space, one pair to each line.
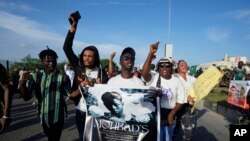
226, 63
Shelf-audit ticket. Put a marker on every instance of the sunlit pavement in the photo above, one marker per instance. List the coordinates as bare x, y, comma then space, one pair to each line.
25, 125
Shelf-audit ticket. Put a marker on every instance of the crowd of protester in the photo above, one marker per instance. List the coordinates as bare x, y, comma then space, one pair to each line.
86, 71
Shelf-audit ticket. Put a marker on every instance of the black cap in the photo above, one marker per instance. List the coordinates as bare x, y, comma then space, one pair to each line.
128, 50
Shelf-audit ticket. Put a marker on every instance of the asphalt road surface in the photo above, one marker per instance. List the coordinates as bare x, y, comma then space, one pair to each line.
211, 126
25, 125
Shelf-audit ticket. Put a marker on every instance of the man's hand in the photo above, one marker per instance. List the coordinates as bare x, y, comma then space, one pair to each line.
159, 93
153, 48
87, 83
73, 22
24, 77
190, 100
112, 55
170, 118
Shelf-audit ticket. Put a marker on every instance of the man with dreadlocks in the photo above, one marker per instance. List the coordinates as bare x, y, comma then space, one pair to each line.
88, 71
50, 87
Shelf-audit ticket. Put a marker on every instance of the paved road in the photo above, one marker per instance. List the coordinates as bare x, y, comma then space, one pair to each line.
210, 126
25, 126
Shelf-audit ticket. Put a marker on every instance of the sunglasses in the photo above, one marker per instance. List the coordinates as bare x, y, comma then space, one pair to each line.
165, 65
126, 58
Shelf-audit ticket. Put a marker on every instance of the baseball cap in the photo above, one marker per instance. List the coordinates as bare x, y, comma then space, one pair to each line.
128, 50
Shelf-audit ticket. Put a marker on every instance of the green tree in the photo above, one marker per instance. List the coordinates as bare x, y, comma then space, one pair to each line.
105, 63
26, 62
32, 63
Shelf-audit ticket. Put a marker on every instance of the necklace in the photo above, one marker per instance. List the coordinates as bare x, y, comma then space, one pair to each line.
88, 72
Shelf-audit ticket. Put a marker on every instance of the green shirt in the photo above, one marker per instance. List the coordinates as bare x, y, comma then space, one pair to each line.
50, 90
239, 74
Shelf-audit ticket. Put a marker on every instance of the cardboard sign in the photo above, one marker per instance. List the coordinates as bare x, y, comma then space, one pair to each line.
205, 83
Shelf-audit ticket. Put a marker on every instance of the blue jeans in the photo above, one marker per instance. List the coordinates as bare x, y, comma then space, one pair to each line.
166, 132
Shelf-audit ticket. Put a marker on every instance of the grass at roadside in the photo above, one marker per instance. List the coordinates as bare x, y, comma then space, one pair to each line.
218, 94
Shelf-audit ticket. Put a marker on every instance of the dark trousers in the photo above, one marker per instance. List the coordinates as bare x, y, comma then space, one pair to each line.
178, 131
80, 122
53, 132
185, 108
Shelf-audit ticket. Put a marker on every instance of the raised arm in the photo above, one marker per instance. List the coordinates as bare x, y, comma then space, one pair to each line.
111, 69
27, 90
68, 43
146, 67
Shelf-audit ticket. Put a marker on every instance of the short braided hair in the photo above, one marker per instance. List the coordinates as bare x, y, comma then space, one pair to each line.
47, 52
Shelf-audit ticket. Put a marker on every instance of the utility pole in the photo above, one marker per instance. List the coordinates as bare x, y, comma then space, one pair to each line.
169, 45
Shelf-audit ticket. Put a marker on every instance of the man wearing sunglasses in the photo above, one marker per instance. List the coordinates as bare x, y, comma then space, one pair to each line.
171, 91
126, 78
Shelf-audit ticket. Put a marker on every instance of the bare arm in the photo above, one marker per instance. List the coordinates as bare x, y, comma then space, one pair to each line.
245, 73
6, 120
173, 112
24, 91
74, 94
7, 101
232, 74
111, 69
146, 67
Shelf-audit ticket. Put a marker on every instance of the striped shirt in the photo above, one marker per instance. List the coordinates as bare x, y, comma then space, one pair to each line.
50, 90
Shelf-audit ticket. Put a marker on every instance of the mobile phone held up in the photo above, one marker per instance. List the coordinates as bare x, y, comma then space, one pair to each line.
76, 16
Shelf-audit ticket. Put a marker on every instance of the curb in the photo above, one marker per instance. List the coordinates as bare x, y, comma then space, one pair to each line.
228, 112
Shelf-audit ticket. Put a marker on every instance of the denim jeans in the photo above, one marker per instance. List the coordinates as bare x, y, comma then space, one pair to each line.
166, 132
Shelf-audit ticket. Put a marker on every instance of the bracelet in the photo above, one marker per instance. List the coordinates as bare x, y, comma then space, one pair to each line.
5, 117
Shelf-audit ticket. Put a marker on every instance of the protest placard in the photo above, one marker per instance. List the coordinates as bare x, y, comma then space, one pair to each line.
205, 83
239, 94
121, 113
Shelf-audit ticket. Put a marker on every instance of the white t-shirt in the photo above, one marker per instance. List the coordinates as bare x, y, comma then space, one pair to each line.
119, 80
92, 74
187, 84
70, 73
173, 90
